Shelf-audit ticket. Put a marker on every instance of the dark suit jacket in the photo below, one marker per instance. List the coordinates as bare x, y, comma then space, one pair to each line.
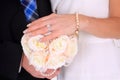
12, 24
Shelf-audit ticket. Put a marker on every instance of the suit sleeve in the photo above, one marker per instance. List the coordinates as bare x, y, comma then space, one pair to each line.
10, 57
12, 23
10, 51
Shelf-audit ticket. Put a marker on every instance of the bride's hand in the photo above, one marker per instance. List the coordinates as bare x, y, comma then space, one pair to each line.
60, 24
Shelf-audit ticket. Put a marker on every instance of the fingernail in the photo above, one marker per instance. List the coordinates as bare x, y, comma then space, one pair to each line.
28, 25
25, 31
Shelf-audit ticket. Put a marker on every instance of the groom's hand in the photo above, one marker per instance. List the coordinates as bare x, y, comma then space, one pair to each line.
30, 69
49, 71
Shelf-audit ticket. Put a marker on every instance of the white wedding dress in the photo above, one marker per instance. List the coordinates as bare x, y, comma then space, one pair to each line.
98, 58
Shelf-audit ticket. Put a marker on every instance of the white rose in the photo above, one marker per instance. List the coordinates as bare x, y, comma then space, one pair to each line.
62, 51
52, 55
35, 44
35, 51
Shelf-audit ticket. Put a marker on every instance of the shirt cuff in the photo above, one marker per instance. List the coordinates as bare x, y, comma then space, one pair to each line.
20, 64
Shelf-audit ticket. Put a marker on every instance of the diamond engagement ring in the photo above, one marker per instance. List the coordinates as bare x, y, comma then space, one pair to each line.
49, 29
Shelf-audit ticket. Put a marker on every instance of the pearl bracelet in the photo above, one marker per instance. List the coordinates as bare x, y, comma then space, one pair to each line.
77, 23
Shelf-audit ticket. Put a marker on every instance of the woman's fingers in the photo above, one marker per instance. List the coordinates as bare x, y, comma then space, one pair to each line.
41, 19
44, 30
36, 26
39, 24
58, 25
50, 36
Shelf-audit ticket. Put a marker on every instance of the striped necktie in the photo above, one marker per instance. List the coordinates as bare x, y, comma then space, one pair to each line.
30, 9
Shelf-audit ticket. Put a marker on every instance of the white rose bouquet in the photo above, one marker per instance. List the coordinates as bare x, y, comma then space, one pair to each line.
49, 55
